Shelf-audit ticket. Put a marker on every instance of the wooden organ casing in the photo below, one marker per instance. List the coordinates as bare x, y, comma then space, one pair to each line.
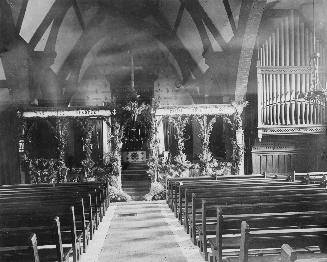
285, 75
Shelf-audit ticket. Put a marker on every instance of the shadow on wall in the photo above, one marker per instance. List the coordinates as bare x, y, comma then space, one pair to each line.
9, 161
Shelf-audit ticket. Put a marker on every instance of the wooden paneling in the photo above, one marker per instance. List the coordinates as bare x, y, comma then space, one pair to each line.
287, 154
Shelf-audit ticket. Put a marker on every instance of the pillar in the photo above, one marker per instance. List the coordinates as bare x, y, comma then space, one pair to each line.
240, 144
161, 136
21, 150
106, 143
117, 135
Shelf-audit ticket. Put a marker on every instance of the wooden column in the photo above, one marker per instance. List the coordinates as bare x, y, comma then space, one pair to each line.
240, 144
117, 131
106, 141
160, 135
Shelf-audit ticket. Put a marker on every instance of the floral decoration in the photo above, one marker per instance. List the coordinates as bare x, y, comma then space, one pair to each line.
43, 170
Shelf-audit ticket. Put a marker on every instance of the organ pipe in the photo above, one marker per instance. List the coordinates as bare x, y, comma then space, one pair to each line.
285, 75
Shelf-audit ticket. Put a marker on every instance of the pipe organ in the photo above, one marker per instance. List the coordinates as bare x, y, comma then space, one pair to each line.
291, 64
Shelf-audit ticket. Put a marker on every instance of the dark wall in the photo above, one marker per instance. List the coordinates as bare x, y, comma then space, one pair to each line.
9, 159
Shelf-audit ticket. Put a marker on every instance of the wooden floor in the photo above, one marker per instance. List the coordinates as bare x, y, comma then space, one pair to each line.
144, 231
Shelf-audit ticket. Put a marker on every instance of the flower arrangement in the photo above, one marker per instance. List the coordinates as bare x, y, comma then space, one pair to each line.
43, 170
180, 166
88, 165
157, 192
117, 195
108, 170
234, 122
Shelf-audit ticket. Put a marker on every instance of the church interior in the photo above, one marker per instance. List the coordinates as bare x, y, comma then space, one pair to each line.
201, 120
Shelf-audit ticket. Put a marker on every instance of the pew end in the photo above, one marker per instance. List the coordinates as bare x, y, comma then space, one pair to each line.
287, 254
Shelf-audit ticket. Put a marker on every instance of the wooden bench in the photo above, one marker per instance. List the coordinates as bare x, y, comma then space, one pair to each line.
28, 217
193, 196
179, 191
48, 237
18, 247
245, 197
262, 215
23, 207
310, 177
173, 183
209, 215
288, 254
49, 202
99, 201
250, 198
267, 239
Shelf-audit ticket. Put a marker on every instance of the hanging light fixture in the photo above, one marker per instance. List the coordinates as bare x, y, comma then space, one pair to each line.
21, 146
316, 86
317, 92
133, 75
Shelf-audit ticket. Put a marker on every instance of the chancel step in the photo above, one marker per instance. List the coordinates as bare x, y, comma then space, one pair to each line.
135, 181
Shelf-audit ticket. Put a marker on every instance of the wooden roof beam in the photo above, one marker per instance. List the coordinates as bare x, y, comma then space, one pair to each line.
21, 16
251, 28
79, 14
230, 15
179, 17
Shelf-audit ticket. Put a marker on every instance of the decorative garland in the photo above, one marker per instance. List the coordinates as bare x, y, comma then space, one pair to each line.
154, 159
235, 124
180, 165
87, 127
237, 150
208, 164
131, 112
43, 170
62, 132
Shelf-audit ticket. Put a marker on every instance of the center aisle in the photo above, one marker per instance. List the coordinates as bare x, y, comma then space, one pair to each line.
147, 232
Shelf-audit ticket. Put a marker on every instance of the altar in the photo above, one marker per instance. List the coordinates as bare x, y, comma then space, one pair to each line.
134, 156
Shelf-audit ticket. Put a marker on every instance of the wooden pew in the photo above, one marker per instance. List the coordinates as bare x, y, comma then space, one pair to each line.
47, 194
71, 210
209, 214
28, 204
23, 248
38, 221
288, 254
100, 188
49, 238
264, 239
310, 177
173, 183
91, 203
251, 198
193, 196
206, 189
180, 188
297, 194
263, 215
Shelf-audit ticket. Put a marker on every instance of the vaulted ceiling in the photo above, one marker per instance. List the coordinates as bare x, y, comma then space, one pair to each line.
96, 39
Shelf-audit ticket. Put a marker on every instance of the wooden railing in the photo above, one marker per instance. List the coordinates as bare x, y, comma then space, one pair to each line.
286, 74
